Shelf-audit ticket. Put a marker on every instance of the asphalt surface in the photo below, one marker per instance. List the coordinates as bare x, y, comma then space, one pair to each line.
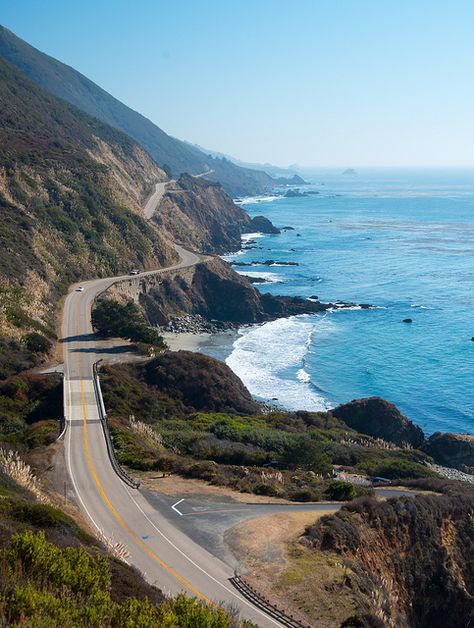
164, 553
176, 546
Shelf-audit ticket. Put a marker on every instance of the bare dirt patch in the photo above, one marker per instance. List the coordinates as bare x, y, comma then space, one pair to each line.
176, 485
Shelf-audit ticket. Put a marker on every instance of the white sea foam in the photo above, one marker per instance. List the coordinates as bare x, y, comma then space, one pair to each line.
303, 376
251, 236
269, 277
270, 360
249, 200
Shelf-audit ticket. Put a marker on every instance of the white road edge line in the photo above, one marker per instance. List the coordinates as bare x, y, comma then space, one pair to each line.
175, 509
234, 593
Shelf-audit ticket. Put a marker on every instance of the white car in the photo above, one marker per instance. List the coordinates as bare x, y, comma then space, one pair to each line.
80, 289
134, 271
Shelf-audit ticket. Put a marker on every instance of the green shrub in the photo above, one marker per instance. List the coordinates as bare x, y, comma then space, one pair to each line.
341, 491
127, 321
396, 469
37, 343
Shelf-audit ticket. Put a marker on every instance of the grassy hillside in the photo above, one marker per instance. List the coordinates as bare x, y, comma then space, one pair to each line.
65, 82
193, 416
71, 190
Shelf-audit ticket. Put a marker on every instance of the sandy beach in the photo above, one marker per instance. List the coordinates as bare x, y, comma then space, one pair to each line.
216, 345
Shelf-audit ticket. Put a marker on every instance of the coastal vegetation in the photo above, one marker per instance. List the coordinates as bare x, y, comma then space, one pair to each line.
221, 436
110, 318
55, 574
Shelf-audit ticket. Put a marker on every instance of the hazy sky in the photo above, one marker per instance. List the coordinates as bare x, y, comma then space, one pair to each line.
313, 82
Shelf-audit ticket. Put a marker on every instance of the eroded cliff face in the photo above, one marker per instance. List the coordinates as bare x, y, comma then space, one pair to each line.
409, 559
199, 215
211, 289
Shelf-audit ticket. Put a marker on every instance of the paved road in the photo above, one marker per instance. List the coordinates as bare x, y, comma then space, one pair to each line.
154, 200
169, 555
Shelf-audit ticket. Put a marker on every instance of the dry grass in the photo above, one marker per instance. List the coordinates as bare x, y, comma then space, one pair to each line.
309, 584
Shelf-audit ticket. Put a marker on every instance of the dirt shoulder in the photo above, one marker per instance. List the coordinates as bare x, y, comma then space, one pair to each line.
307, 584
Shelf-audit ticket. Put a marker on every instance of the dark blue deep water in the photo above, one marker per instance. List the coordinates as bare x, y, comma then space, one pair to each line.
403, 241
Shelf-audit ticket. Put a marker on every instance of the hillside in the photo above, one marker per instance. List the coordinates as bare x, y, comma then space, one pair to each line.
68, 84
408, 561
71, 190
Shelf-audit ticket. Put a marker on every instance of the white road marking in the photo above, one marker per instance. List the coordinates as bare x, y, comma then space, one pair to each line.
231, 591
175, 509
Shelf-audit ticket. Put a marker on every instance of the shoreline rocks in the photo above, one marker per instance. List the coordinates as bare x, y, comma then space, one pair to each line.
381, 419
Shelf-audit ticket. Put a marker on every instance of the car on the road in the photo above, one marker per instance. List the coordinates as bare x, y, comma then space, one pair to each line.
80, 289
134, 271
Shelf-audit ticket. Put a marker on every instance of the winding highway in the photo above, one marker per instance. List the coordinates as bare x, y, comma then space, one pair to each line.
166, 556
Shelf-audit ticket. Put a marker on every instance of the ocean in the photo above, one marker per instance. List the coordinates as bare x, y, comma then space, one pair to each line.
402, 241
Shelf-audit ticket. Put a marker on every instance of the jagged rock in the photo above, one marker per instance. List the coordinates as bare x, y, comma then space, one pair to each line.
262, 225
294, 193
407, 320
452, 450
381, 419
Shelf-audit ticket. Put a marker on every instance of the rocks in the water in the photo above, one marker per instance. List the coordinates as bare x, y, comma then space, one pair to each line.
262, 225
298, 235
381, 419
287, 229
452, 450
294, 193
268, 262
407, 320
199, 382
314, 297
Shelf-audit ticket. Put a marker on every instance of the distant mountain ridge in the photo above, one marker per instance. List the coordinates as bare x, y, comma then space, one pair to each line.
175, 155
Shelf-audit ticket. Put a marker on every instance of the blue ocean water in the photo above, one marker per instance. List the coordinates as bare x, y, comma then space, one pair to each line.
400, 240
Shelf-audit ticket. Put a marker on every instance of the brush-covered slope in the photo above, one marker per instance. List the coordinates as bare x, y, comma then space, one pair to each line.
408, 561
71, 190
65, 82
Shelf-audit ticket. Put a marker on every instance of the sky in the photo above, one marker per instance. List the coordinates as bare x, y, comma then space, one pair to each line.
341, 83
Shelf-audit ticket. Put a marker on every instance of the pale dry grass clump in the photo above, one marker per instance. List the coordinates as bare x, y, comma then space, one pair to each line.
20, 472
146, 431
116, 549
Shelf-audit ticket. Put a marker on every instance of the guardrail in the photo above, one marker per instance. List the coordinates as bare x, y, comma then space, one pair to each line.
252, 595
108, 440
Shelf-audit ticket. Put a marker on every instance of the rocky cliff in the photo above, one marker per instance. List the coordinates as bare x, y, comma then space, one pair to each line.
408, 560
379, 418
200, 215
452, 450
211, 289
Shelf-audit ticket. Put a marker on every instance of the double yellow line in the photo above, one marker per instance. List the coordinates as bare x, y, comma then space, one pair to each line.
112, 509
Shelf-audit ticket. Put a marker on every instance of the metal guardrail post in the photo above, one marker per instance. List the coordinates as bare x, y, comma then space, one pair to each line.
264, 604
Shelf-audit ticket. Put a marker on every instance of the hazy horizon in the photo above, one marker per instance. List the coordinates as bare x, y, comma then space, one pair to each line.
322, 85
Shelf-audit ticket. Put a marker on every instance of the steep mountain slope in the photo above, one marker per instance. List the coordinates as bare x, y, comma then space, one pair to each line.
65, 82
200, 215
71, 190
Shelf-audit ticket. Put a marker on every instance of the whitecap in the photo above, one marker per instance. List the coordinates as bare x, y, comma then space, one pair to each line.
270, 360
269, 277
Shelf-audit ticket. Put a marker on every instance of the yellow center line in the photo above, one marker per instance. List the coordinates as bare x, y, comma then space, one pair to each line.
127, 529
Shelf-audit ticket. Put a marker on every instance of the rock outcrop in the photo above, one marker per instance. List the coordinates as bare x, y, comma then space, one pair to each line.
199, 382
199, 215
381, 419
415, 552
452, 450
262, 225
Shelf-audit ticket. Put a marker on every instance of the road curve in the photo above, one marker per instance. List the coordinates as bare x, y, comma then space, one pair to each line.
166, 556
